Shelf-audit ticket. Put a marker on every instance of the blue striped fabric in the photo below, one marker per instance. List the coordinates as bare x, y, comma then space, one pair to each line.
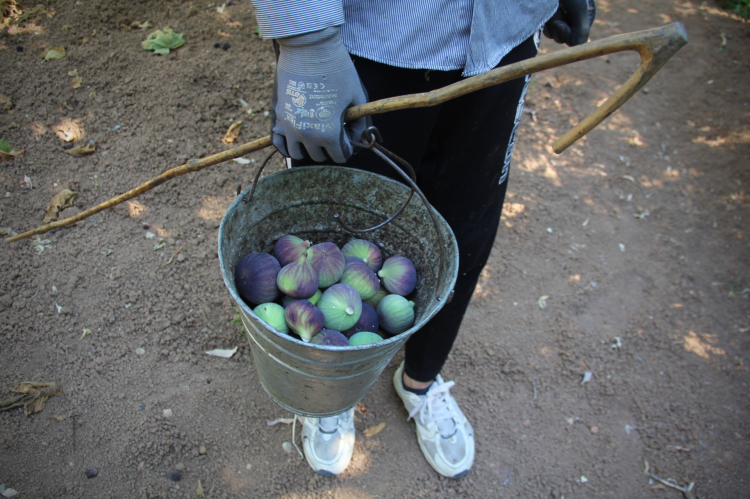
473, 35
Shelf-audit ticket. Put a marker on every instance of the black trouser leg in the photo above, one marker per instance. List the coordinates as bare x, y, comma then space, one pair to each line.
461, 152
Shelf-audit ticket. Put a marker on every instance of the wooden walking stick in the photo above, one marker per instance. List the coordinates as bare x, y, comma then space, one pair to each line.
655, 46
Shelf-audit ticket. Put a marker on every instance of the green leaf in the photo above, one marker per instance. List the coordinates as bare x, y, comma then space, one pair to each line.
162, 41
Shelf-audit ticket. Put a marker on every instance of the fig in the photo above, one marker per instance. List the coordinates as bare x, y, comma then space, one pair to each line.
313, 299
273, 315
255, 277
365, 250
364, 338
398, 275
327, 261
304, 318
362, 278
350, 260
289, 248
341, 306
330, 338
396, 313
375, 300
298, 279
368, 321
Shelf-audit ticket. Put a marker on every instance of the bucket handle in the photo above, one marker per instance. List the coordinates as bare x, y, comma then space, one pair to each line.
371, 140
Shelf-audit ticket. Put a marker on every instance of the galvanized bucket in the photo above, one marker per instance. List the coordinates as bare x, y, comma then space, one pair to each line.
312, 380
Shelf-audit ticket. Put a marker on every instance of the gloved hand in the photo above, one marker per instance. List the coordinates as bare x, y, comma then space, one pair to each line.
572, 22
315, 82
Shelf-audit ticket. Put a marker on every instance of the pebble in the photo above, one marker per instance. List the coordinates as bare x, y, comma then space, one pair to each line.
225, 46
140, 351
92, 472
179, 466
202, 450
19, 48
167, 413
594, 430
217, 45
175, 476
527, 423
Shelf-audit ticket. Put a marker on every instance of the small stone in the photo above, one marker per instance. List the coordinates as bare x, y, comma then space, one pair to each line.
143, 406
140, 351
202, 450
175, 476
180, 467
92, 472
217, 45
19, 48
167, 413
287, 446
225, 46
594, 430
527, 423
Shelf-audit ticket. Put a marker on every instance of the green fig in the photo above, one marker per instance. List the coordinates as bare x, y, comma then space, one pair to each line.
362, 278
365, 250
375, 300
396, 314
341, 306
298, 279
313, 299
273, 315
327, 261
364, 338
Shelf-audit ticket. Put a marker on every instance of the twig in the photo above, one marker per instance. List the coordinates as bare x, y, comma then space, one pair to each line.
687, 490
534, 383
294, 437
171, 257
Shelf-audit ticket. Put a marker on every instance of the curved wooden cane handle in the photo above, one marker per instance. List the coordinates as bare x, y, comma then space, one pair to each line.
655, 46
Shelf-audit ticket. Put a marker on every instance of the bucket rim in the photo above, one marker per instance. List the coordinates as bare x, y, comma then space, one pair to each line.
226, 273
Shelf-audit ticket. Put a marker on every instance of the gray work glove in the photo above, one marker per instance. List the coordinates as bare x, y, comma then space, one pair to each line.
315, 82
572, 22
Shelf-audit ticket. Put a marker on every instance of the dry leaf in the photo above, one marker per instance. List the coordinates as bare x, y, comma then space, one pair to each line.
73, 73
77, 81
14, 153
5, 102
234, 24
59, 202
220, 352
51, 53
140, 25
232, 133
199, 492
374, 430
59, 419
223, 34
80, 151
33, 396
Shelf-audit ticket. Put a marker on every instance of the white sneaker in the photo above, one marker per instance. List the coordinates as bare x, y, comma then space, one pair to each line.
329, 442
444, 435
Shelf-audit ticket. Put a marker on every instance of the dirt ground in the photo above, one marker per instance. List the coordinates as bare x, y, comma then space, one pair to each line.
635, 239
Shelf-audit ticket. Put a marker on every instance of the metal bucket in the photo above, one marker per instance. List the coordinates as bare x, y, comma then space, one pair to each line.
312, 380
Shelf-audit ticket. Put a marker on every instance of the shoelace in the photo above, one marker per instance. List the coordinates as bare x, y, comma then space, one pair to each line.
436, 405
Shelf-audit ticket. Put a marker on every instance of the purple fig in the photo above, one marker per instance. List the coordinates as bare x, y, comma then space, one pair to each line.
313, 299
328, 262
298, 279
304, 318
368, 321
289, 248
362, 278
364, 338
255, 278
398, 275
375, 300
396, 314
330, 338
341, 306
273, 315
365, 250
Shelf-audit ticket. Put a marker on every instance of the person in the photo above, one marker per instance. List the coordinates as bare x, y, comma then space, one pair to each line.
333, 54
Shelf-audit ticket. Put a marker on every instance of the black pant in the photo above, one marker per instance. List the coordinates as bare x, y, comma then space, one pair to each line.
460, 151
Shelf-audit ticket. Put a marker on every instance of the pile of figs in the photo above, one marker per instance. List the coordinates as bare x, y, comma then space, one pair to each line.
329, 296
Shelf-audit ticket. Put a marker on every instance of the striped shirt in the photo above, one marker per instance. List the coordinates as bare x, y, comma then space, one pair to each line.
443, 35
